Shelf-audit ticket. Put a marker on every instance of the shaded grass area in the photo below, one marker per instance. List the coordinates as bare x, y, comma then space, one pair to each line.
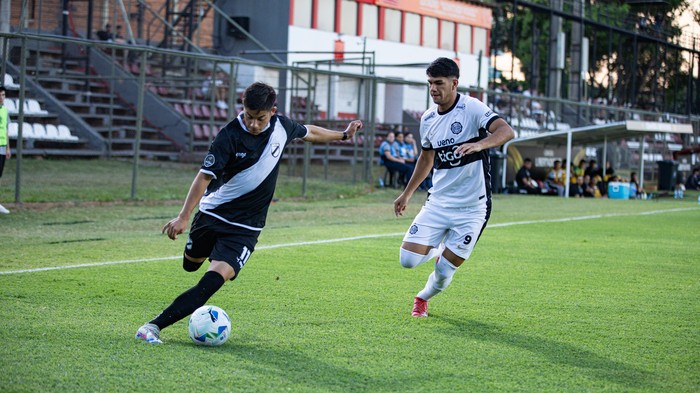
99, 180
607, 302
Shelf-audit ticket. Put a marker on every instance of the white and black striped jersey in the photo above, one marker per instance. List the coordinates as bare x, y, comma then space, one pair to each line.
458, 180
245, 169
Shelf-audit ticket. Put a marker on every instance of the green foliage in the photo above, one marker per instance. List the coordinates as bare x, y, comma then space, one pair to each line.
654, 76
603, 303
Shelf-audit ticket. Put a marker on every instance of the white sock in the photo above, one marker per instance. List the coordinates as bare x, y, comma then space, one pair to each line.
438, 279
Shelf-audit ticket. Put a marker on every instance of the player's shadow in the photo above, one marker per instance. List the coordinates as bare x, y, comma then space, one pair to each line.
557, 352
301, 369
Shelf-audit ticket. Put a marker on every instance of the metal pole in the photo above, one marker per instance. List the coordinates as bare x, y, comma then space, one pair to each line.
139, 123
568, 164
641, 163
307, 145
369, 133
20, 120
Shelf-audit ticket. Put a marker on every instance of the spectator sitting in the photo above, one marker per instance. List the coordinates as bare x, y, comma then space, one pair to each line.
581, 169
118, 37
679, 190
106, 34
592, 190
390, 157
403, 149
592, 170
609, 171
578, 189
556, 179
526, 184
214, 85
693, 181
635, 192
411, 157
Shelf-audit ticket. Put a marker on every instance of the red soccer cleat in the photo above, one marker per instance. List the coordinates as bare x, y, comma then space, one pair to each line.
420, 308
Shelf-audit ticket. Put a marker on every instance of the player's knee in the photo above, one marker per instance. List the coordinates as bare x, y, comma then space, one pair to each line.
410, 259
190, 265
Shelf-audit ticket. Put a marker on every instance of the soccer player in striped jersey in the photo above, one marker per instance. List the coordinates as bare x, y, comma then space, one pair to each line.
455, 134
233, 188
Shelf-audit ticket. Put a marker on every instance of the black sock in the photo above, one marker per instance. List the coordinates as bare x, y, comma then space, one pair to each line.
190, 300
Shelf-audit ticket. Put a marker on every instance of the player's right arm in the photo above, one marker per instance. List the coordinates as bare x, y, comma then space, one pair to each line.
178, 224
423, 167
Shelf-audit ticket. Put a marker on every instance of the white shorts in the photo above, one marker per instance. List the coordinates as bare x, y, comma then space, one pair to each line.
458, 228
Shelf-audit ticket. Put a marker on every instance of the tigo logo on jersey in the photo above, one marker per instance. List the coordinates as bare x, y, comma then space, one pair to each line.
209, 160
456, 128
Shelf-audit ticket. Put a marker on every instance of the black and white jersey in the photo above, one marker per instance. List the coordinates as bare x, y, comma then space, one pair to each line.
458, 180
245, 169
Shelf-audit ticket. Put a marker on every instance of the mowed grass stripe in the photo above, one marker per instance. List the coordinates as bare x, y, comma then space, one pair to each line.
345, 239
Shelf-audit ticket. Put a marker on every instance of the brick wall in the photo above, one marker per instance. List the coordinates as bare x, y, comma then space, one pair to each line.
48, 14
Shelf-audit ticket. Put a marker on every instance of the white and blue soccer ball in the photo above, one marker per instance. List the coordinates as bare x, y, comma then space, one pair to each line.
209, 325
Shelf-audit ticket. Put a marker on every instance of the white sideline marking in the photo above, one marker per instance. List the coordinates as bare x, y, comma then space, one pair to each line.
345, 239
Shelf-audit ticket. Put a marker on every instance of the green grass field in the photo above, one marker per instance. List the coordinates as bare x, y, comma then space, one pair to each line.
559, 295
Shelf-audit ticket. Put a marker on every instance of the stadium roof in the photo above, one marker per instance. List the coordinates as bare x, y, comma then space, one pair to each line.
598, 134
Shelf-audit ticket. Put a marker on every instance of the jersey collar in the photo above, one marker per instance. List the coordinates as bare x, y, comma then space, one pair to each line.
242, 123
452, 107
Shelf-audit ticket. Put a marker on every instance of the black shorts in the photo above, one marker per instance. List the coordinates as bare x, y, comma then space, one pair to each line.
219, 241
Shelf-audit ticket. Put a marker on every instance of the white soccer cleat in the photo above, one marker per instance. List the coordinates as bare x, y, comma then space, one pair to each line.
149, 333
3, 210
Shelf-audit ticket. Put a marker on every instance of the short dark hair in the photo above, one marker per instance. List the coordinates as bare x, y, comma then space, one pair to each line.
2, 88
259, 96
443, 67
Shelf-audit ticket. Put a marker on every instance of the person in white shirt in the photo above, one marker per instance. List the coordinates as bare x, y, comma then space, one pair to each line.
455, 135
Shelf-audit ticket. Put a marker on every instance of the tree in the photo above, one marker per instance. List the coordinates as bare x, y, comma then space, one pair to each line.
634, 53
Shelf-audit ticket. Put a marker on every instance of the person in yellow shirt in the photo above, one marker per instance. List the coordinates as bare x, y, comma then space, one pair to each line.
4, 139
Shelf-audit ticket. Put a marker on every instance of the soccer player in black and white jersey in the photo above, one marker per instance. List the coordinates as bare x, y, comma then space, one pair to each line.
233, 188
455, 134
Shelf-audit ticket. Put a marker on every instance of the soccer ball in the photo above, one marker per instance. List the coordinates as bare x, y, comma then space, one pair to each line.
209, 325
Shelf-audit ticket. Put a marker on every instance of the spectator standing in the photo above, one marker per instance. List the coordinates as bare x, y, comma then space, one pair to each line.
4, 138
524, 179
233, 188
456, 135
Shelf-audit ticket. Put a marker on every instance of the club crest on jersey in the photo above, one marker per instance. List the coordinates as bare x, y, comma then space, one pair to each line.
456, 128
413, 230
209, 160
275, 150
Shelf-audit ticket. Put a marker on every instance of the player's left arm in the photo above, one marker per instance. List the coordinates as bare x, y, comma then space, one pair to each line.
499, 133
319, 134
